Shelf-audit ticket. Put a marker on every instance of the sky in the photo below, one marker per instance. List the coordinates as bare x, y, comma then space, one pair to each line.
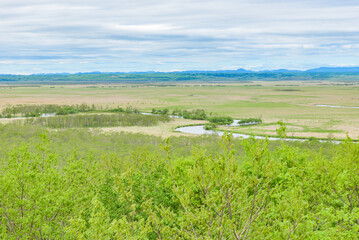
43, 36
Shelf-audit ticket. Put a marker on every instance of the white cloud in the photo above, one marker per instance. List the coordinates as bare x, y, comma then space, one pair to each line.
179, 34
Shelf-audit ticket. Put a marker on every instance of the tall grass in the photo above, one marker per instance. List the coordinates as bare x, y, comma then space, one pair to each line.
96, 120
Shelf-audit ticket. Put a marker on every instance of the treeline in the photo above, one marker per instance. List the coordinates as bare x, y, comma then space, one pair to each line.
95, 120
284, 193
217, 120
196, 114
220, 120
32, 110
159, 111
250, 121
36, 110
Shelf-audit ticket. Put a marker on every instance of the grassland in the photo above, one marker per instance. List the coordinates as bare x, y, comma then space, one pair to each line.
290, 101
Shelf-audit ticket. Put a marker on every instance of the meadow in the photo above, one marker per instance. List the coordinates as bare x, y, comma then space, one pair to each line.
293, 102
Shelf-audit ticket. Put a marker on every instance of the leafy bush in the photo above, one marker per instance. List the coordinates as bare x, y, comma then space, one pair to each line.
210, 126
37, 110
248, 121
159, 111
221, 120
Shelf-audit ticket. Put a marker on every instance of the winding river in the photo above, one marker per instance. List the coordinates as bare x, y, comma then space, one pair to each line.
199, 130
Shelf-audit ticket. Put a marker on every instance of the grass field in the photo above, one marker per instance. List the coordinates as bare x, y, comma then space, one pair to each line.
292, 102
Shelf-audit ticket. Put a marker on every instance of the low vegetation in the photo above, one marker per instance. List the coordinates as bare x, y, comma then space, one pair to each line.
220, 120
159, 111
31, 110
249, 121
210, 126
281, 192
36, 110
195, 114
95, 120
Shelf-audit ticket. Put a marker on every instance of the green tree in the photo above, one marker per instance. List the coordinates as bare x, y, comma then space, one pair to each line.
282, 130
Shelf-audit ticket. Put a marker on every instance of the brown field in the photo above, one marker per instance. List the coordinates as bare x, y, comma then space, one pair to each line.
163, 130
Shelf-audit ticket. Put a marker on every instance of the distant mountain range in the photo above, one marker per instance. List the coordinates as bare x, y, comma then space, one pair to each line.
240, 70
314, 70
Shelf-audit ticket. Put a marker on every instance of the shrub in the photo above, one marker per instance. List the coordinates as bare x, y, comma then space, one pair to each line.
220, 120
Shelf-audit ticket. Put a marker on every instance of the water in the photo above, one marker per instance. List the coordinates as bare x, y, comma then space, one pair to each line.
42, 115
47, 114
236, 123
199, 130
171, 116
334, 106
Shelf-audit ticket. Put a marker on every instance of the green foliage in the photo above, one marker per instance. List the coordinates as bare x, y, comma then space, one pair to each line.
96, 120
196, 114
37, 198
244, 189
36, 110
250, 121
281, 131
159, 111
220, 120
210, 126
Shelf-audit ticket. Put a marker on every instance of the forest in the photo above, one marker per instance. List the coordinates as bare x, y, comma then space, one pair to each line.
81, 184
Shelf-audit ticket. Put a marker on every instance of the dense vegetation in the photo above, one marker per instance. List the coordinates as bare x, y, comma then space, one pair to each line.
210, 126
159, 111
220, 120
30, 110
96, 120
196, 114
77, 184
249, 121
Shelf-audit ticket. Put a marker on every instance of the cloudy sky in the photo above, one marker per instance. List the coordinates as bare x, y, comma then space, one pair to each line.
40, 36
